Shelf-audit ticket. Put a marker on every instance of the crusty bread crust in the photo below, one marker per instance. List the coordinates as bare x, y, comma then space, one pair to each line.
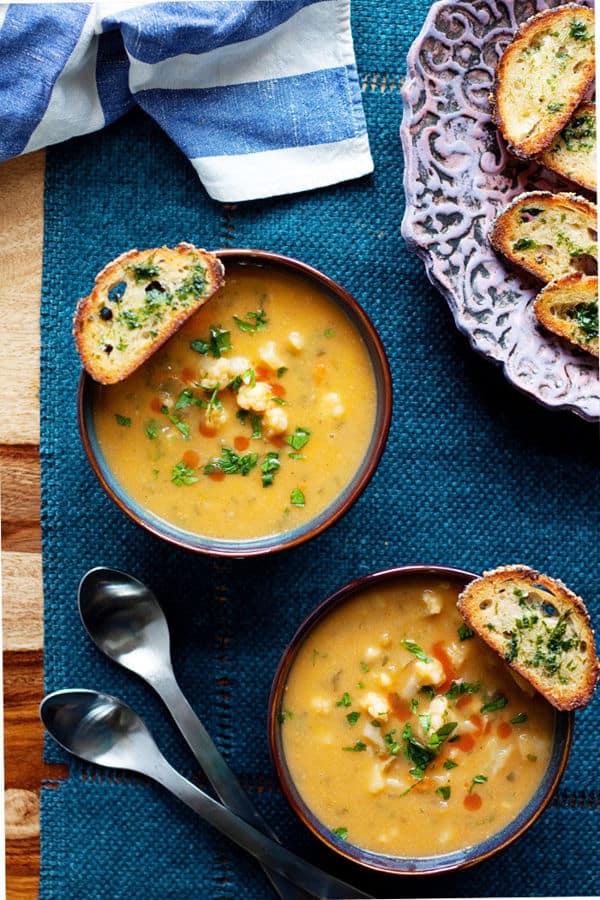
572, 154
160, 288
540, 628
566, 305
548, 235
542, 76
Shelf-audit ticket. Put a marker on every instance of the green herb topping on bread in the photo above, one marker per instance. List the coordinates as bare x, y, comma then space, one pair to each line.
539, 627
569, 308
573, 153
138, 301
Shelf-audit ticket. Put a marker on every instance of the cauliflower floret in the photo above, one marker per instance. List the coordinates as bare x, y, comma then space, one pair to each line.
217, 373
373, 735
438, 710
430, 672
375, 705
275, 421
377, 779
216, 416
384, 679
295, 341
269, 356
332, 405
256, 398
433, 602
458, 652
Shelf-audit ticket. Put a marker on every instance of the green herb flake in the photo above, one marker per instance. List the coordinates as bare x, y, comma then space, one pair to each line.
269, 468
438, 737
345, 701
219, 342
123, 420
555, 107
393, 746
252, 321
231, 463
444, 792
464, 632
281, 371
195, 283
152, 429
585, 315
256, 423
181, 426
416, 650
298, 439
364, 666
458, 688
297, 498
450, 764
144, 272
187, 398
353, 718
428, 690
525, 244
376, 723
285, 714
359, 747
499, 703
341, 832
479, 779
329, 333
182, 474
579, 32
414, 705
520, 717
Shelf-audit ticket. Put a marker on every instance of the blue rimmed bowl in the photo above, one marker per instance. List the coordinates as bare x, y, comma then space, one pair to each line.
241, 548
403, 865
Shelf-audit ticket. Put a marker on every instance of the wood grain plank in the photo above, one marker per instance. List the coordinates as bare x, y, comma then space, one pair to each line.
20, 497
22, 601
21, 246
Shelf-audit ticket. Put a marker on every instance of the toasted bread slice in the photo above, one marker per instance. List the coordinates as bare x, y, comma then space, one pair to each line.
549, 235
139, 300
569, 307
540, 628
542, 76
573, 153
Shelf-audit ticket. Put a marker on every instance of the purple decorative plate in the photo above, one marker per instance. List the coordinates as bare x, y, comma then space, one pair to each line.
457, 178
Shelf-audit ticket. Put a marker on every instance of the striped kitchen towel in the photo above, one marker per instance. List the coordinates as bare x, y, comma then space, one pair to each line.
262, 96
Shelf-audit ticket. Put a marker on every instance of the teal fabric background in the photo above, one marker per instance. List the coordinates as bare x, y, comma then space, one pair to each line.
474, 475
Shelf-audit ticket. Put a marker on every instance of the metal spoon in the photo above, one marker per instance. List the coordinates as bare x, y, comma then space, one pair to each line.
124, 619
104, 731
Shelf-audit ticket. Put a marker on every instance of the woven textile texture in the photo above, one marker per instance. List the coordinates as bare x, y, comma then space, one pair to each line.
474, 475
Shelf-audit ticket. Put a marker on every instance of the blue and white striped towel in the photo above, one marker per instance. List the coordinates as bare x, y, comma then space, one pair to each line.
262, 96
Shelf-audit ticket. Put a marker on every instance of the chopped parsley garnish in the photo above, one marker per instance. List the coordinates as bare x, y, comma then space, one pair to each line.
438, 737
285, 714
416, 753
219, 342
252, 321
450, 764
364, 666
329, 333
145, 272
578, 31
479, 779
580, 133
353, 718
152, 429
444, 792
296, 456
586, 317
520, 717
248, 377
555, 107
297, 497
428, 690
393, 746
123, 420
342, 833
281, 371
359, 747
464, 632
298, 439
195, 283
512, 648
256, 423
414, 705
425, 721
499, 703
416, 650
345, 701
525, 244
269, 468
376, 723
187, 398
231, 463
183, 474
457, 688
182, 427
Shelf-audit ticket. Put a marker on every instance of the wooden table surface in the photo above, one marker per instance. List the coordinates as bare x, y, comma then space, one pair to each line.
21, 242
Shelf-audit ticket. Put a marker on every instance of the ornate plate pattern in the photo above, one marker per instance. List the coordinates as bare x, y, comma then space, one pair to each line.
457, 178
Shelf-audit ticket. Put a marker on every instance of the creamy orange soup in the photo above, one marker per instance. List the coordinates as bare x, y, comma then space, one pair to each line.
404, 733
252, 419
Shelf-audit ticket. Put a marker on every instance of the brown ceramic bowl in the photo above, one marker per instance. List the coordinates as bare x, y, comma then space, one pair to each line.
342, 503
403, 865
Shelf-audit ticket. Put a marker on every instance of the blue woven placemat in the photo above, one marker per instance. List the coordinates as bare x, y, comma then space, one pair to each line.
474, 475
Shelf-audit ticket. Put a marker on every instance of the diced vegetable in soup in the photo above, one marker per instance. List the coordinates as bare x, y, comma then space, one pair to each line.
253, 418
405, 734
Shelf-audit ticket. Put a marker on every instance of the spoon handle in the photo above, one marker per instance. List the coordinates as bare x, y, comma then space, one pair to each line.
218, 772
268, 852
